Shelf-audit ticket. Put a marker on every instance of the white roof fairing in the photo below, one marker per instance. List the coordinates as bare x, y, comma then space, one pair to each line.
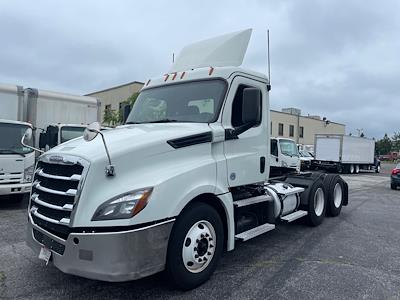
221, 51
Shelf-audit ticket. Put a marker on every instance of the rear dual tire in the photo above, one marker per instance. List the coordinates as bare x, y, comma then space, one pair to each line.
316, 204
335, 188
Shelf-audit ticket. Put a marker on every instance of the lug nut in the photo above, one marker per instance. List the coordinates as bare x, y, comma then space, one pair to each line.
208, 253
196, 256
195, 249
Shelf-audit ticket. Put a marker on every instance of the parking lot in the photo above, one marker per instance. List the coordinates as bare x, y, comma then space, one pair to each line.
353, 256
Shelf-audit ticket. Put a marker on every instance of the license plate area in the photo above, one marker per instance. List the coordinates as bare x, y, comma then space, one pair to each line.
48, 242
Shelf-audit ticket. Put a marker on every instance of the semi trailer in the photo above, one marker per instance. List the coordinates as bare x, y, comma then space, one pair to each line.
344, 153
186, 177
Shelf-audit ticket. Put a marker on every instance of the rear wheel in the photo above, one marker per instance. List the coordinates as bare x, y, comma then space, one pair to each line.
195, 246
357, 169
334, 187
378, 169
393, 186
351, 169
316, 204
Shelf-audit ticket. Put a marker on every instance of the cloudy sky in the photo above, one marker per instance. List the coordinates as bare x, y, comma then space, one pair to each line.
338, 59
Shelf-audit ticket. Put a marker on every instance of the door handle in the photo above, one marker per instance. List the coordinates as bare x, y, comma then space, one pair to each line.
262, 164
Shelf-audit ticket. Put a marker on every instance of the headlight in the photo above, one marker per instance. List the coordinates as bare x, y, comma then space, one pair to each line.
28, 173
124, 206
284, 164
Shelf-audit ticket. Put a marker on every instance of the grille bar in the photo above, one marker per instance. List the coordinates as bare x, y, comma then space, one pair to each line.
65, 207
74, 177
70, 192
63, 221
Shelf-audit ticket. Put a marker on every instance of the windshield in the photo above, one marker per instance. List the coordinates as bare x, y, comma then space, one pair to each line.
288, 147
69, 133
10, 139
305, 154
198, 101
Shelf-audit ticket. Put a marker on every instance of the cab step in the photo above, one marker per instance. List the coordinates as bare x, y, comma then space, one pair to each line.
294, 216
253, 200
249, 234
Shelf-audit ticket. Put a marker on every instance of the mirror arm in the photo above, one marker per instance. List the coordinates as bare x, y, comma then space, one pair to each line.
110, 169
30, 147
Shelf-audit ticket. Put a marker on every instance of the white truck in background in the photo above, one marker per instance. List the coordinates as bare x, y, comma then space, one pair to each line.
16, 161
344, 153
184, 179
284, 156
58, 117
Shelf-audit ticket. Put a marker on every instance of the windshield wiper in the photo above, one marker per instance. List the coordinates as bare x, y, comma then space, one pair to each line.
9, 151
164, 121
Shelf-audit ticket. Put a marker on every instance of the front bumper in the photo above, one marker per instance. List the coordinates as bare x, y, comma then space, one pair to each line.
395, 180
108, 256
15, 188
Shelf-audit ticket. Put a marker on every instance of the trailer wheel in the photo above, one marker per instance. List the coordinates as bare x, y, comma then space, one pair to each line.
351, 169
334, 187
378, 169
316, 204
357, 169
195, 246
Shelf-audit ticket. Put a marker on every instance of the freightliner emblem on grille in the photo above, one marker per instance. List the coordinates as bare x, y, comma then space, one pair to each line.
56, 158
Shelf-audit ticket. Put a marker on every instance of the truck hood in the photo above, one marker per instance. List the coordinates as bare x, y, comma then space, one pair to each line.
141, 140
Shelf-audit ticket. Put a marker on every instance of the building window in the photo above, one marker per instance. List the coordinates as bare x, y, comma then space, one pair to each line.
291, 130
280, 129
301, 134
108, 107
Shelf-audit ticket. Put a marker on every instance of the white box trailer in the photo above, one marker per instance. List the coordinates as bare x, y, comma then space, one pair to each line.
11, 102
345, 153
46, 108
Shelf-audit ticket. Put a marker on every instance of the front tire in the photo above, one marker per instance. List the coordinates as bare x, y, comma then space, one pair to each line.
316, 204
195, 246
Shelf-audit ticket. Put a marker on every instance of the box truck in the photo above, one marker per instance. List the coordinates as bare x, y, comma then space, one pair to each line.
183, 180
16, 161
284, 156
59, 115
344, 153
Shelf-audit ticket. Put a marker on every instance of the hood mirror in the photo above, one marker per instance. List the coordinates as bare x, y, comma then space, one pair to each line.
91, 131
90, 134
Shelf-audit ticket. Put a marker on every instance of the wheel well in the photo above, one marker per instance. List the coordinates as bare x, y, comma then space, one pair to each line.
214, 202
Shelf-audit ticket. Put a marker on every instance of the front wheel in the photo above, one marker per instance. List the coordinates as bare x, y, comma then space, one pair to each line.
195, 246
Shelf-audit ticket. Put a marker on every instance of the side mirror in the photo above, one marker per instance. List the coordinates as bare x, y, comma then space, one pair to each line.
27, 135
42, 140
91, 131
251, 106
126, 112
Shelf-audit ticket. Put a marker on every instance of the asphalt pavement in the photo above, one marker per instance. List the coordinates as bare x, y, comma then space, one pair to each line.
353, 256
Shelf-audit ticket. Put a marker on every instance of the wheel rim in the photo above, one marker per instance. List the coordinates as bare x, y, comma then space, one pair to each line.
351, 169
319, 202
357, 169
199, 246
337, 195
379, 168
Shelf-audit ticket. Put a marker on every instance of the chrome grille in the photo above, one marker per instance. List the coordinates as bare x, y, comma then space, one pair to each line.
55, 190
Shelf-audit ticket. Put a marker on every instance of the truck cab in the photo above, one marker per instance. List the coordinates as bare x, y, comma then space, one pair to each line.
284, 157
59, 133
185, 178
16, 161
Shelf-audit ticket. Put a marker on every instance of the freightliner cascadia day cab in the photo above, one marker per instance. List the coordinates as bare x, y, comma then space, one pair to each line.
16, 161
344, 153
183, 180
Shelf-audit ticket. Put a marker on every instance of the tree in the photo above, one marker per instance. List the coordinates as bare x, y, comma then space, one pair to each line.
396, 141
112, 117
383, 146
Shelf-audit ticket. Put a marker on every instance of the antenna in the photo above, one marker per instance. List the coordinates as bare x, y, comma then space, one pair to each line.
269, 63
173, 57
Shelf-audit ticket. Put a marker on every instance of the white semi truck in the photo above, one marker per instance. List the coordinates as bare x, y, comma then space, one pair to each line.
344, 153
183, 180
16, 161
